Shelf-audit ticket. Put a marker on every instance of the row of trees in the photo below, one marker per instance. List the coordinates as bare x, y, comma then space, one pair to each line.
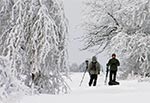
121, 27
77, 68
33, 40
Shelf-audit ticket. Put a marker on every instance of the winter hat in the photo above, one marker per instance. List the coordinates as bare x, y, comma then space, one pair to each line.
113, 55
94, 59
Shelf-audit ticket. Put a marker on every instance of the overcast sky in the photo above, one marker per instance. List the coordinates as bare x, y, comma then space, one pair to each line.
73, 11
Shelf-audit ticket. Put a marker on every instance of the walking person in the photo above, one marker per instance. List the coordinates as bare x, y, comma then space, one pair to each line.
113, 63
94, 71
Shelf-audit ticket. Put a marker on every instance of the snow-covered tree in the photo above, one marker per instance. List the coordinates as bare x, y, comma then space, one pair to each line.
5, 25
74, 67
99, 23
33, 38
133, 50
121, 27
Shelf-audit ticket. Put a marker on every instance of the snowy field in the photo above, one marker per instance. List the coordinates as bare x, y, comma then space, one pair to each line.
128, 92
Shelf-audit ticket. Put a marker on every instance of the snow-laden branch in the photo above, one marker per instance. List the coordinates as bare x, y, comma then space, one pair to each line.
121, 27
35, 43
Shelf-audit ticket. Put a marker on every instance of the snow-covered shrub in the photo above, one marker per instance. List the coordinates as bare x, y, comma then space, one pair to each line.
144, 80
10, 87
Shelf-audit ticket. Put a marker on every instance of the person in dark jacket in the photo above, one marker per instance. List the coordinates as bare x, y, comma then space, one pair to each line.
113, 63
94, 70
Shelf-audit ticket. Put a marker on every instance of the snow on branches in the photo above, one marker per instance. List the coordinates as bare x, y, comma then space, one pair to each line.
133, 51
10, 87
35, 43
121, 27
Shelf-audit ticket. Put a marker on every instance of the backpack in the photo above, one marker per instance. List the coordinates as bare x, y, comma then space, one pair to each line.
93, 66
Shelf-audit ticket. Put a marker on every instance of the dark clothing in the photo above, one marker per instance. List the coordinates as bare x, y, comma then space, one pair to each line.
113, 63
94, 66
113, 83
93, 77
112, 76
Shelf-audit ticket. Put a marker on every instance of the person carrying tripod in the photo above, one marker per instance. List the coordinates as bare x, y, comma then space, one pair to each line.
94, 70
113, 63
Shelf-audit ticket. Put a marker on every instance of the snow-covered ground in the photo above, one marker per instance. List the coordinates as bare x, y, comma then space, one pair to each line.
130, 91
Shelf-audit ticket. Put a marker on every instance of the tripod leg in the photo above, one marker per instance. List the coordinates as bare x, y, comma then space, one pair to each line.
82, 79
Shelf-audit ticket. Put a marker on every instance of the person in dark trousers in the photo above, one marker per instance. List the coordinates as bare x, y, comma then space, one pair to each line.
113, 63
94, 70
